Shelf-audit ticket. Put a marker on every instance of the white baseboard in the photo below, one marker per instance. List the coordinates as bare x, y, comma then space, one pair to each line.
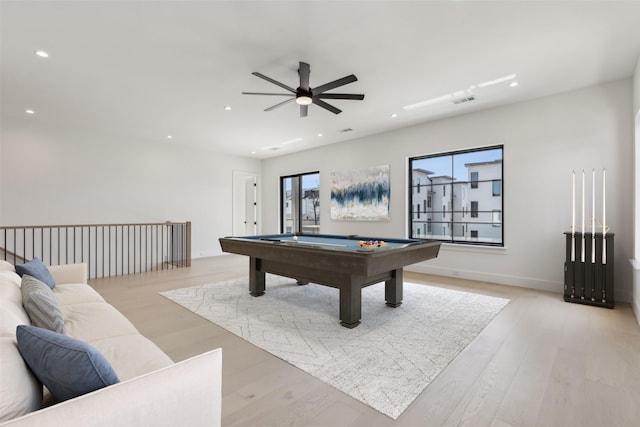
522, 282
501, 279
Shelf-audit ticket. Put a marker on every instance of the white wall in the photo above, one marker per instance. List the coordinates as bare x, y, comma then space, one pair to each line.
544, 140
636, 89
51, 175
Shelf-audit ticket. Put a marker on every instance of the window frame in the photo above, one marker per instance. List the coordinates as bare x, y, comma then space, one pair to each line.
301, 193
460, 219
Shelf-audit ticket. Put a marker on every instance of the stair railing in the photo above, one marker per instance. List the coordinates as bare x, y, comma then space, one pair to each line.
108, 249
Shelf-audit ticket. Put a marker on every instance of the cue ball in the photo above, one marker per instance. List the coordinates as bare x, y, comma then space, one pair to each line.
295, 237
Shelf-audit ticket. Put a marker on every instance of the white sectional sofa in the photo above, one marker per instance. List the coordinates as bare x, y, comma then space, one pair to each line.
153, 390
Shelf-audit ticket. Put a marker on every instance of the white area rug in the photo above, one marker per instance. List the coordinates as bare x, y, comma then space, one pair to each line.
385, 362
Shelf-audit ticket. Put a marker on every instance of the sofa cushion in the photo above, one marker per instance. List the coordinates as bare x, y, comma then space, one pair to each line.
11, 316
10, 277
94, 321
36, 268
41, 304
66, 366
20, 391
6, 266
10, 287
132, 355
69, 273
76, 293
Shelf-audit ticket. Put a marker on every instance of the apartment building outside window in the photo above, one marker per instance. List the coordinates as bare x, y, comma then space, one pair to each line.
461, 196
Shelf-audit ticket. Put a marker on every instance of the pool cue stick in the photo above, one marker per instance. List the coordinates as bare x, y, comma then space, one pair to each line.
604, 271
298, 242
582, 251
593, 278
593, 234
573, 232
604, 236
573, 218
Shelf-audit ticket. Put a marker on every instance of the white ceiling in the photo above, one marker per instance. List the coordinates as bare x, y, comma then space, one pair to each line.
144, 70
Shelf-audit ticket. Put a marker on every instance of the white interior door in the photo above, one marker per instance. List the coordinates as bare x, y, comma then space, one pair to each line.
251, 206
245, 203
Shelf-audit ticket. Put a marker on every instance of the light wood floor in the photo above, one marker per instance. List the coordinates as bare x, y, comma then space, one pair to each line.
540, 362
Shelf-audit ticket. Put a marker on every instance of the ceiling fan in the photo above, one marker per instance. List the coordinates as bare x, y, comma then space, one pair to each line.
305, 95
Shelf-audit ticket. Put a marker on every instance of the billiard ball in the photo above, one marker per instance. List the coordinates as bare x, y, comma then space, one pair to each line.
295, 237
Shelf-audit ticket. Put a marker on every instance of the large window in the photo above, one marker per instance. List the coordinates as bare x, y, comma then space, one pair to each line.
466, 190
300, 203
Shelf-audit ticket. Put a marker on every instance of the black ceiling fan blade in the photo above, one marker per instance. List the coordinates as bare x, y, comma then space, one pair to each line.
304, 70
321, 103
334, 84
304, 110
341, 96
280, 104
264, 93
275, 82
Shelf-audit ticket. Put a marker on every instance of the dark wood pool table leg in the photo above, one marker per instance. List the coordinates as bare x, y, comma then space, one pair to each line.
350, 305
393, 289
256, 278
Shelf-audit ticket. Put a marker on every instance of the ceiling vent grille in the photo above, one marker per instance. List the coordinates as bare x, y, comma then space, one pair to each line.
463, 100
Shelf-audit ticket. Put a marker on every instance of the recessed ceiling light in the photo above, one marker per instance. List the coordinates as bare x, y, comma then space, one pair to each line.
513, 84
227, 108
320, 134
42, 54
169, 136
394, 115
29, 111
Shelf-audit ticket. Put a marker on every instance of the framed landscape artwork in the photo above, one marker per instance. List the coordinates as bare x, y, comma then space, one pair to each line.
360, 194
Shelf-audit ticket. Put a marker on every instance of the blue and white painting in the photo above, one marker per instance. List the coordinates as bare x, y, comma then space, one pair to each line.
360, 194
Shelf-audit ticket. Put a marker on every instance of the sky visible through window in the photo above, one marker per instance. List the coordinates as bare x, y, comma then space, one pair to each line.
309, 181
442, 165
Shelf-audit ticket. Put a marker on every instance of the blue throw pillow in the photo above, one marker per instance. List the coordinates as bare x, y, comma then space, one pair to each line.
66, 366
36, 268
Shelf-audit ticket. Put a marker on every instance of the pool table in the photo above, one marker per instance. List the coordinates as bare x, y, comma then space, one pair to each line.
332, 260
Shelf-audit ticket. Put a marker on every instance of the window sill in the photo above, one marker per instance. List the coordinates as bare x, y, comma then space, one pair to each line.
460, 247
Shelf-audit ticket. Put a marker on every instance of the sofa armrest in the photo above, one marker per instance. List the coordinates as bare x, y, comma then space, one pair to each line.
69, 273
188, 393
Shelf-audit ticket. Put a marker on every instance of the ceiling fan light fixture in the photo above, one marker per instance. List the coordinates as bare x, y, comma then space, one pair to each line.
304, 100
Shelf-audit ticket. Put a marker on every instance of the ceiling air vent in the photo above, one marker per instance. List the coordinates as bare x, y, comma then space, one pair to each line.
345, 130
464, 100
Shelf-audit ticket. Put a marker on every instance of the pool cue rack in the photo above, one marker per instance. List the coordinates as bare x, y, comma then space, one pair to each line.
588, 271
